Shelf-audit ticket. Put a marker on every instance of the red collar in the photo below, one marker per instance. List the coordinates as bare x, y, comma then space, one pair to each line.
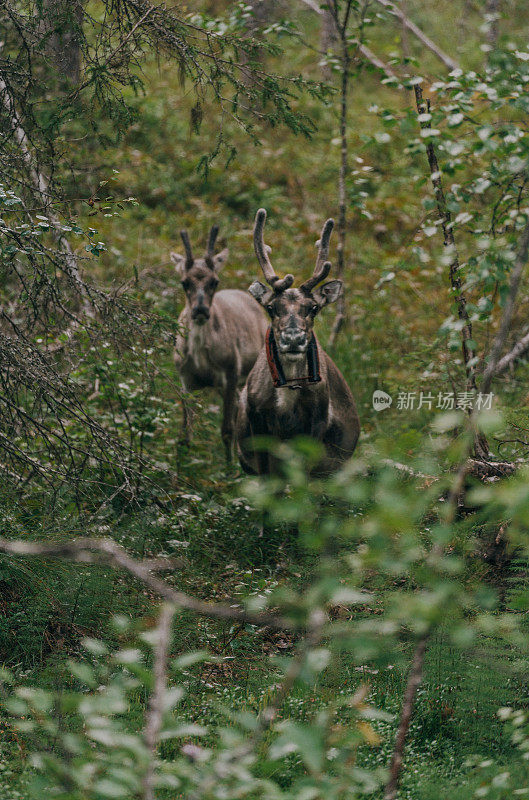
276, 368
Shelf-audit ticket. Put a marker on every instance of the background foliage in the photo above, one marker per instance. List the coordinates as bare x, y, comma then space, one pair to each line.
136, 140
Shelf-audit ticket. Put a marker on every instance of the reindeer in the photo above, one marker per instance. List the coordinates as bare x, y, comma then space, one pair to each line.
295, 388
221, 332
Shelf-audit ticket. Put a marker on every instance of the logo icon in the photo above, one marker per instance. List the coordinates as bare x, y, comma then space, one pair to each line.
381, 400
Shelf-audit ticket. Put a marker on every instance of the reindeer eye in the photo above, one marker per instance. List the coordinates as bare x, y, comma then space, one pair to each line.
270, 309
186, 284
314, 308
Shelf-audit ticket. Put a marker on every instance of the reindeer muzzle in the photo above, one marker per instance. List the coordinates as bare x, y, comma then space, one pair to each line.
276, 369
200, 312
293, 340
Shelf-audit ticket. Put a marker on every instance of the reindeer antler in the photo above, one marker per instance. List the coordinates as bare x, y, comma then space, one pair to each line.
322, 268
261, 251
187, 245
214, 232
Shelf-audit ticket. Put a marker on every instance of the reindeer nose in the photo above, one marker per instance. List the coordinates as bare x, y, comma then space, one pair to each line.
292, 339
200, 309
200, 312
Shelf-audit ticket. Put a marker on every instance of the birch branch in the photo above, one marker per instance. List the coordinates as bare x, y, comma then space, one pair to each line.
154, 715
342, 189
375, 61
499, 342
517, 351
105, 551
40, 185
421, 36
368, 54
414, 681
268, 714
469, 355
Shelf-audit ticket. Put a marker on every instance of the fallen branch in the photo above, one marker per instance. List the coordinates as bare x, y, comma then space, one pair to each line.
421, 36
105, 551
481, 469
414, 681
475, 467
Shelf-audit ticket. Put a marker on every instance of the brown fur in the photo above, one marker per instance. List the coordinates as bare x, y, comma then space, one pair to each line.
217, 347
326, 411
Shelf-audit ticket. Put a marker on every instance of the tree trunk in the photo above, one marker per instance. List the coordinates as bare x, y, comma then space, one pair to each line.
492, 11
262, 13
61, 26
328, 39
342, 196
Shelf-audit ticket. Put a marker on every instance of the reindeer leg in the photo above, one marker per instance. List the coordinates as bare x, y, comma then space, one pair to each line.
228, 419
188, 417
188, 413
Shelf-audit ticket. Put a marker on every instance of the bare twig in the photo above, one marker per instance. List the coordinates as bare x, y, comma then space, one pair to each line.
105, 551
414, 681
154, 715
469, 355
421, 36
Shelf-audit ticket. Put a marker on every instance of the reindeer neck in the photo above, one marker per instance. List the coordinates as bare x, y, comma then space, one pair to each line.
293, 369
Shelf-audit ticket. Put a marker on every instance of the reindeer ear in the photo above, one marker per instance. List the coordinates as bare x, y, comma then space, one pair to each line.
260, 292
220, 259
179, 262
328, 293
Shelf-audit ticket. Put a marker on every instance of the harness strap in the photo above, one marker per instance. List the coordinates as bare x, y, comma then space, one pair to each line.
276, 368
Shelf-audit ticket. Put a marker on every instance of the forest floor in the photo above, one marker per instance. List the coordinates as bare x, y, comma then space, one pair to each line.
396, 302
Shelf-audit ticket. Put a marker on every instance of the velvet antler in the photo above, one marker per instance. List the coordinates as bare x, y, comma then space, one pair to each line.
187, 245
214, 232
261, 251
322, 268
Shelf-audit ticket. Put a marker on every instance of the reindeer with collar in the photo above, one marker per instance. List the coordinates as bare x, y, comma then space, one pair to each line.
295, 388
221, 332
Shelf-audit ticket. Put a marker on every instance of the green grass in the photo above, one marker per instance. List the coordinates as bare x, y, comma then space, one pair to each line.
391, 342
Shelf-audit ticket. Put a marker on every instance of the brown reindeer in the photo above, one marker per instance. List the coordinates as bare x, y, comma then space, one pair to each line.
221, 333
295, 388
